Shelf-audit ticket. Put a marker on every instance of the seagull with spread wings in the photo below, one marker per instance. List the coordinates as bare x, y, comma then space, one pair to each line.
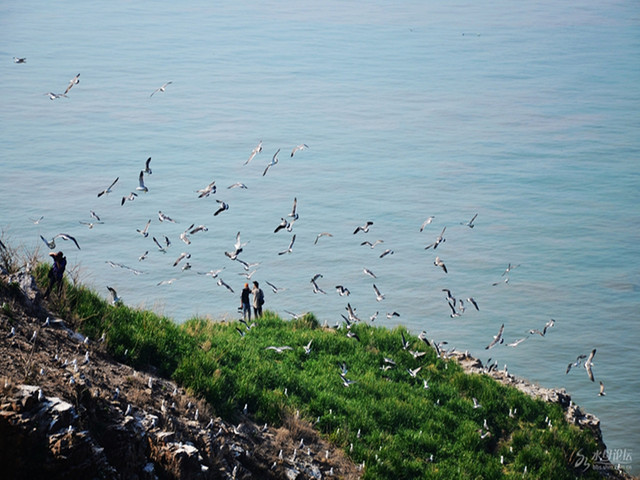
160, 89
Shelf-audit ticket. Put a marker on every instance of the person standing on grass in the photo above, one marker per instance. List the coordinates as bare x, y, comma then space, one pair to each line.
56, 272
245, 303
258, 300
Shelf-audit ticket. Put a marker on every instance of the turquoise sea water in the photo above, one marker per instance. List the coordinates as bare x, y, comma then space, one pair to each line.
527, 115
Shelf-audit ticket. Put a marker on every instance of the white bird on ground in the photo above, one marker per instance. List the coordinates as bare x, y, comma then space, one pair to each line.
279, 349
160, 89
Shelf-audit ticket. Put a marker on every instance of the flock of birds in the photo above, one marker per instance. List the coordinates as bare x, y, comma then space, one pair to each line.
456, 306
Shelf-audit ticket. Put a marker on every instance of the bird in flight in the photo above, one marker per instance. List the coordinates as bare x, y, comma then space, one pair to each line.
497, 339
108, 189
426, 222
19, 60
53, 96
290, 248
141, 186
114, 296
147, 168
470, 222
322, 234
160, 89
439, 263
589, 363
364, 228
74, 81
274, 160
254, 152
302, 146
440, 239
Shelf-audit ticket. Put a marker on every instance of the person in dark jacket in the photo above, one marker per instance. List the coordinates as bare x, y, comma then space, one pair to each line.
56, 273
245, 303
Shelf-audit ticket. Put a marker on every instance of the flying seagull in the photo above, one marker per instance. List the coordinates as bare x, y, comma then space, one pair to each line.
254, 152
439, 263
274, 160
74, 81
164, 218
601, 393
379, 296
145, 231
470, 222
208, 190
497, 339
223, 284
299, 147
369, 272
141, 186
223, 206
160, 89
577, 363
440, 239
589, 363
66, 236
426, 222
19, 60
290, 248
53, 96
129, 197
147, 168
114, 296
322, 234
108, 189
364, 228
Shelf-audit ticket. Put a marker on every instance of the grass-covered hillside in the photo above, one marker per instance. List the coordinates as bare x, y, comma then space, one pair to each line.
398, 409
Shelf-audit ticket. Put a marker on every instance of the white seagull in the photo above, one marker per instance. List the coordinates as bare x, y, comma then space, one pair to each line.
322, 234
147, 168
439, 239
497, 339
208, 190
379, 296
439, 263
74, 81
426, 222
145, 231
165, 218
53, 96
108, 189
364, 228
290, 248
470, 222
141, 186
160, 89
302, 146
223, 206
369, 272
114, 296
129, 197
589, 363
254, 152
274, 160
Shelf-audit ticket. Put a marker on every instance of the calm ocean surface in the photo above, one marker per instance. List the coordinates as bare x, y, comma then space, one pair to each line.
527, 116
